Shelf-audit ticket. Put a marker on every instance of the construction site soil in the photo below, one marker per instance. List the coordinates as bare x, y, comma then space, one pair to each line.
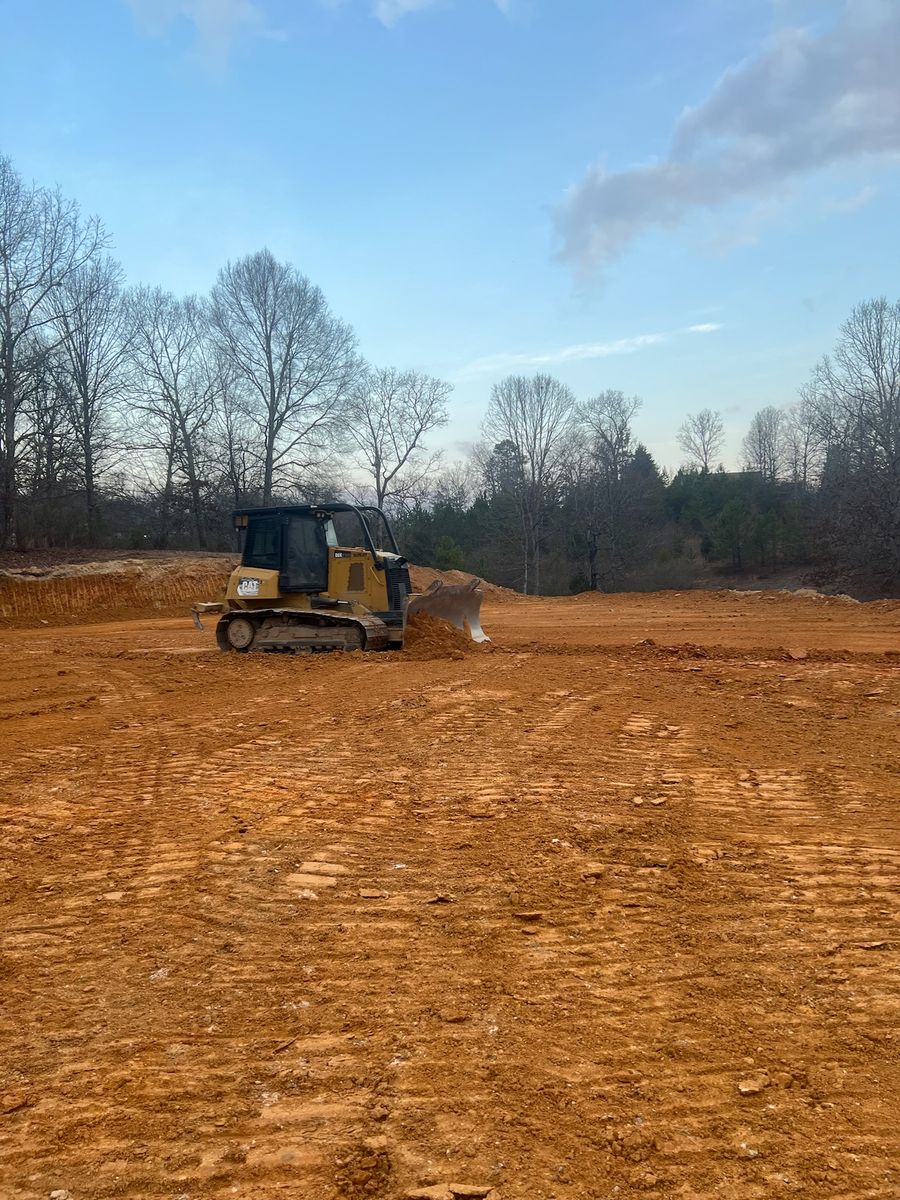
607, 908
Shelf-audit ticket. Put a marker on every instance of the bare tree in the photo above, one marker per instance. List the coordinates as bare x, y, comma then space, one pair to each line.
856, 394
764, 447
535, 417
456, 486
606, 420
90, 324
804, 440
391, 414
585, 506
701, 437
293, 360
860, 384
178, 382
43, 242
238, 455
47, 444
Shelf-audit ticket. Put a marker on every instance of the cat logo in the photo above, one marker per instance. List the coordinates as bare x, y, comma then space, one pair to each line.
248, 587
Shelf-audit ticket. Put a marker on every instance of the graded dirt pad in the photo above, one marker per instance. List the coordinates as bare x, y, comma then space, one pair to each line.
609, 910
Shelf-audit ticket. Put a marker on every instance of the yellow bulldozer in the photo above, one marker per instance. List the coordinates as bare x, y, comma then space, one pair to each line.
327, 577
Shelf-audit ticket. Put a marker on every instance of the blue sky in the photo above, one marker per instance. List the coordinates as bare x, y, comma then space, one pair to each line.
682, 200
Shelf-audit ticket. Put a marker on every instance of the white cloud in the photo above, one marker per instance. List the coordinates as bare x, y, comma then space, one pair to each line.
218, 23
500, 363
389, 12
807, 101
841, 206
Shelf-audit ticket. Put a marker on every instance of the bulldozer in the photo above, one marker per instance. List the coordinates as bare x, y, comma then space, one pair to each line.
318, 577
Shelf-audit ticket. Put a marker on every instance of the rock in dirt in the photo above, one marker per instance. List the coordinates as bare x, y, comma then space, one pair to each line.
321, 868
302, 879
753, 1084
629, 1075
481, 812
470, 1191
593, 871
372, 894
60, 1194
438, 1191
655, 862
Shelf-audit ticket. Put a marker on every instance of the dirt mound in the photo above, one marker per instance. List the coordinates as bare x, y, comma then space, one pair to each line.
37, 562
82, 592
153, 567
430, 637
423, 577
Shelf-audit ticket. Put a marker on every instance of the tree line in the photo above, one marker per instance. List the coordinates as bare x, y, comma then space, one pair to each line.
135, 414
133, 418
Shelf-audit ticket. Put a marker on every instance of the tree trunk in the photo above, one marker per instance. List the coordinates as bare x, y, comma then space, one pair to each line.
379, 481
194, 488
9, 497
90, 497
197, 513
592, 565
271, 416
269, 467
526, 554
163, 535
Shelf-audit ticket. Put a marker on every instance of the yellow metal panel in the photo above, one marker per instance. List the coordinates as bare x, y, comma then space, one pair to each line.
249, 584
373, 595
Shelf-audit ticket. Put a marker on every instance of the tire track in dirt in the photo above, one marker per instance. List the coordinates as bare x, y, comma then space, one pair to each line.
418, 931
719, 944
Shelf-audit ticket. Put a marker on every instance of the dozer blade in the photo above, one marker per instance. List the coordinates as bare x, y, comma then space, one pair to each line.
458, 604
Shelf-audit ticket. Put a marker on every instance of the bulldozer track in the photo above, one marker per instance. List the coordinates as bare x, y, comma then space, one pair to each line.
300, 631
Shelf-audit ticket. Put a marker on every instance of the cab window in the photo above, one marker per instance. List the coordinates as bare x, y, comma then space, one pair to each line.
262, 547
305, 555
348, 529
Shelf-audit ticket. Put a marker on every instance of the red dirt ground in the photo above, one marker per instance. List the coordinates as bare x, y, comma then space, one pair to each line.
607, 909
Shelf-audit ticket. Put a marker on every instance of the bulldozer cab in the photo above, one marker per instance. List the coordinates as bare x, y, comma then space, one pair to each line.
295, 540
